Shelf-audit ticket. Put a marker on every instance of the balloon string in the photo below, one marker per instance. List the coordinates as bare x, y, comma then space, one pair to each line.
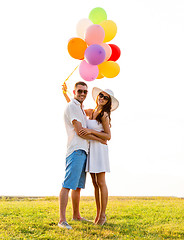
70, 74
67, 80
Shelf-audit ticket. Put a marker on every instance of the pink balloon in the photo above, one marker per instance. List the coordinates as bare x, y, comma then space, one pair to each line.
87, 71
95, 54
95, 34
107, 49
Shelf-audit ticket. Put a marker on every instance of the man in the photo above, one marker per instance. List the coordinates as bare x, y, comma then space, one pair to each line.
77, 149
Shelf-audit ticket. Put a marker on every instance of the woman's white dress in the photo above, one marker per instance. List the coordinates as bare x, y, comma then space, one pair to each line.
98, 156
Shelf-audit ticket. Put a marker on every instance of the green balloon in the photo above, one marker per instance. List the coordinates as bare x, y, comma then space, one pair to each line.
97, 15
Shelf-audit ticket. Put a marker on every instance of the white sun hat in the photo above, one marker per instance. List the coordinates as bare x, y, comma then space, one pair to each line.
115, 102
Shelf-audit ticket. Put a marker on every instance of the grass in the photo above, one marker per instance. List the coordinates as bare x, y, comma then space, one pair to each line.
127, 218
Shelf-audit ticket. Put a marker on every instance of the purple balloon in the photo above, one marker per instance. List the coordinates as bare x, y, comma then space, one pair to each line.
95, 54
87, 71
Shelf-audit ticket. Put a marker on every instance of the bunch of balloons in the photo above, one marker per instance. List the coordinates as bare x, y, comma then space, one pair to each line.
98, 57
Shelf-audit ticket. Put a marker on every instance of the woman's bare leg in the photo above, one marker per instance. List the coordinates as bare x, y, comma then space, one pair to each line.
103, 196
97, 196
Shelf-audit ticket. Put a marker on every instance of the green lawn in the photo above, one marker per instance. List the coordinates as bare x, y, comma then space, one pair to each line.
127, 218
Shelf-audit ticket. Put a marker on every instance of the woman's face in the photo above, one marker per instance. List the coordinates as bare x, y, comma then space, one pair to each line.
103, 98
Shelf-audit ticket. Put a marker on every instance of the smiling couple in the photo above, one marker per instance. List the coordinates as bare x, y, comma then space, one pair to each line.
87, 151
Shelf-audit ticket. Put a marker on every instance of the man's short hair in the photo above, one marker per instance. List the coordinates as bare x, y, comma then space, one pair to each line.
80, 83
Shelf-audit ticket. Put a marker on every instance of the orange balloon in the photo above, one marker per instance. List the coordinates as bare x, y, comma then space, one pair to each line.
77, 48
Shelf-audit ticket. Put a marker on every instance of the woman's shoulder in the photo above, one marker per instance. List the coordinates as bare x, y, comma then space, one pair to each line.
105, 115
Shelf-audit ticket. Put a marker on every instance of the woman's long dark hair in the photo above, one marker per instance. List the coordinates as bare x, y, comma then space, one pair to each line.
106, 108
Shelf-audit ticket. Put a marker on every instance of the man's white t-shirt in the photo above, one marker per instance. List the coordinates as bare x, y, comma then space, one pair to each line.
72, 112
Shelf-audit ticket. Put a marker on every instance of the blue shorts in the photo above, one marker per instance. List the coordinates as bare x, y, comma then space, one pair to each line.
75, 175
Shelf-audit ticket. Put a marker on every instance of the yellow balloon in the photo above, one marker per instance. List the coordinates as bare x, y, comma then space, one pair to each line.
100, 76
109, 69
110, 29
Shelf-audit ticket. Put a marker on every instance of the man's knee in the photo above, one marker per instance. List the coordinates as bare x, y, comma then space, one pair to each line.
76, 190
64, 190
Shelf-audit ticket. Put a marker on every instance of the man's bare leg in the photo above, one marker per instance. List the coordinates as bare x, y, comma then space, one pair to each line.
63, 201
75, 195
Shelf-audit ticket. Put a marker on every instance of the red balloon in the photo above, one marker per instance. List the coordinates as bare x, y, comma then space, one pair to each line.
116, 52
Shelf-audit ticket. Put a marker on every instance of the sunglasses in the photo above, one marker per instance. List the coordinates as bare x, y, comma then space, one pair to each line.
102, 96
80, 91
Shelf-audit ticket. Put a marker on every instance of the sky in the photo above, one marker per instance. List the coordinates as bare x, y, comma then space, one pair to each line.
147, 145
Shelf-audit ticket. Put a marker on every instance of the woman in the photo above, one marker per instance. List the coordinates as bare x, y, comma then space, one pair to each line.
98, 124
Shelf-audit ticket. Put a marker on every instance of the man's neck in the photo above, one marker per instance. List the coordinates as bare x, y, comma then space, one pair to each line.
79, 102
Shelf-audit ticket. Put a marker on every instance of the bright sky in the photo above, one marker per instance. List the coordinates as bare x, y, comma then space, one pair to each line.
147, 145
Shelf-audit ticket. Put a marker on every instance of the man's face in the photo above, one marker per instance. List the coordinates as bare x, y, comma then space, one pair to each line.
80, 93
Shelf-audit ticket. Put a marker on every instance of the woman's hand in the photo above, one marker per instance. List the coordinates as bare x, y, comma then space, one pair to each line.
85, 131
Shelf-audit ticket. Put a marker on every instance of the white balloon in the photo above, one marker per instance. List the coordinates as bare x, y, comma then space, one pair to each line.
82, 25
